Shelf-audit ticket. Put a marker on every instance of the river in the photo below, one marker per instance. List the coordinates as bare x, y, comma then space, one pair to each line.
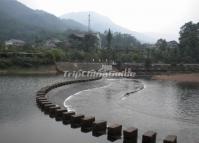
163, 106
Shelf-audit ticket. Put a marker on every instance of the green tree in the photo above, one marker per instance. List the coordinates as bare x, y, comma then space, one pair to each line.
189, 42
109, 42
109, 38
90, 41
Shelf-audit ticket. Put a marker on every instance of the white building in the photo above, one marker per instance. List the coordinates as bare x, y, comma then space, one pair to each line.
14, 42
52, 43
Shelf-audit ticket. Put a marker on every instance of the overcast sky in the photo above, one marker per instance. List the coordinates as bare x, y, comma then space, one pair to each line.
157, 16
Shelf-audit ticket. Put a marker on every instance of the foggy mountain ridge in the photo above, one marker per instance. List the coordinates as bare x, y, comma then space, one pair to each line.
21, 22
101, 23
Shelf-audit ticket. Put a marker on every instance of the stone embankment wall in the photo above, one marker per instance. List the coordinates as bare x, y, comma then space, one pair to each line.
155, 69
71, 66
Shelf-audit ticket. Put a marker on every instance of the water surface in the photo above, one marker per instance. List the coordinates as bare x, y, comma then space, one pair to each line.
163, 106
22, 122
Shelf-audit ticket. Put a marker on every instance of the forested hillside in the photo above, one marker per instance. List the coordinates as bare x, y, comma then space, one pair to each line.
21, 22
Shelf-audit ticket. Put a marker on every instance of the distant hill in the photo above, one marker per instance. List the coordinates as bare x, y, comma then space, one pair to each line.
101, 23
19, 21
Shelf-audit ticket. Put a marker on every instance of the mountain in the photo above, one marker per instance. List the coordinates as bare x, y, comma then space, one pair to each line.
101, 23
19, 21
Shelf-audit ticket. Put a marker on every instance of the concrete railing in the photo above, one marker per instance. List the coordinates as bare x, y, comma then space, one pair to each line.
87, 124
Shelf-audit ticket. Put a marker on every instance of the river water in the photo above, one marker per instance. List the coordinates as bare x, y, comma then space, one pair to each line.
22, 122
163, 106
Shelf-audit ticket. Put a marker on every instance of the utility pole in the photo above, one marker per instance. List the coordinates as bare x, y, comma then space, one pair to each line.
89, 22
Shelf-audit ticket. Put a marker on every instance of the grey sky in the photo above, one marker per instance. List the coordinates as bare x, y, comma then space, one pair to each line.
157, 16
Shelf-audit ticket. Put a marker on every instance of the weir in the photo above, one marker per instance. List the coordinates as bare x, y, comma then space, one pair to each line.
113, 131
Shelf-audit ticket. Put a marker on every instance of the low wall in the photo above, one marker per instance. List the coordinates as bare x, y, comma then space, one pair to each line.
87, 124
155, 69
72, 66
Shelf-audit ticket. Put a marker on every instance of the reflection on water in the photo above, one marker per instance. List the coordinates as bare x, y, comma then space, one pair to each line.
17, 95
188, 101
164, 106
22, 122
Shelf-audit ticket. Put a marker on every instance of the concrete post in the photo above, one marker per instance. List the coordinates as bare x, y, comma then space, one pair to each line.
130, 135
52, 110
115, 130
99, 127
58, 113
45, 103
87, 123
170, 139
76, 120
41, 102
46, 107
66, 117
39, 94
149, 137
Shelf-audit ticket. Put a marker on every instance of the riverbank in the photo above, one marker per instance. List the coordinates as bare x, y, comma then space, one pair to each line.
192, 77
41, 70
50, 69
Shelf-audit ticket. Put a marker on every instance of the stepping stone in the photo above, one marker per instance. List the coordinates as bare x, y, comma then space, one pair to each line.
99, 126
76, 120
130, 135
149, 137
115, 130
87, 123
170, 139
52, 110
58, 113
66, 116
46, 107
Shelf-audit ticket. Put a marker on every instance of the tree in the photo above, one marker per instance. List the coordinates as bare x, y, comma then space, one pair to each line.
160, 50
189, 42
161, 44
109, 38
54, 55
109, 50
90, 41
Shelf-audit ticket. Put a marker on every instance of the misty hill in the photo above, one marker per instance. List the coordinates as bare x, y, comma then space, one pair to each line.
19, 21
101, 23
